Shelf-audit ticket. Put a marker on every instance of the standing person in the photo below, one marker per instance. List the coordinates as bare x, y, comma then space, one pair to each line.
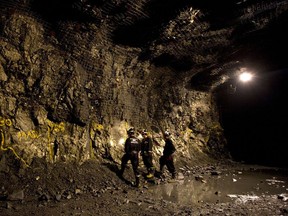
132, 149
146, 153
167, 157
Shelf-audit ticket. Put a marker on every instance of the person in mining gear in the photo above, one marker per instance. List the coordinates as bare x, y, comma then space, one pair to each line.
132, 149
146, 153
167, 157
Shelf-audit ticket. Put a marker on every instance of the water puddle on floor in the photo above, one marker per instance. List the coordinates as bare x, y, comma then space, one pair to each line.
224, 187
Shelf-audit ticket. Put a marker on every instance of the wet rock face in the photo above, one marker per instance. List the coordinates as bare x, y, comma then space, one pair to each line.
72, 97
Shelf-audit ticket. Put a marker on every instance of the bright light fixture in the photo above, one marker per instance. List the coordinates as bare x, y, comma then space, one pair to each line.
245, 77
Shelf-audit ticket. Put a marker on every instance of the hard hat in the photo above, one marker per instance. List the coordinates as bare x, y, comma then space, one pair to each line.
131, 131
167, 133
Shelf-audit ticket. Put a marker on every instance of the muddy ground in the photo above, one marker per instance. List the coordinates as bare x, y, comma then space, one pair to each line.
94, 188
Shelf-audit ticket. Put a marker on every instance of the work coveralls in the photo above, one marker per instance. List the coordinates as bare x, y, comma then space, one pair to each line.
132, 149
167, 157
146, 152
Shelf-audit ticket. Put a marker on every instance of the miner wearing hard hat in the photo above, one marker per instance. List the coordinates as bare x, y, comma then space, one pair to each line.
146, 153
167, 157
132, 148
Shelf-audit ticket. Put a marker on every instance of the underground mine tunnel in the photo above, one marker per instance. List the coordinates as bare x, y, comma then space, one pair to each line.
76, 75
253, 118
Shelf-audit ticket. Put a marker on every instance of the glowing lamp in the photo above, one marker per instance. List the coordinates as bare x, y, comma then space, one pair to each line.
245, 77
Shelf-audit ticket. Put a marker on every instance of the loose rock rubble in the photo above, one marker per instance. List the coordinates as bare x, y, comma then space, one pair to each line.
93, 188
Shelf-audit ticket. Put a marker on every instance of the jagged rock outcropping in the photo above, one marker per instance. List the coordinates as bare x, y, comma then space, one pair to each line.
71, 95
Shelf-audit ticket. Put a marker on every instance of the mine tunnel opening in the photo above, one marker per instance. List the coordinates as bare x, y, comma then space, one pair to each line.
254, 119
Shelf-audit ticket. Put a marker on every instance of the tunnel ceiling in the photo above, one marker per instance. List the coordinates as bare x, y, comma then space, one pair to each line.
207, 38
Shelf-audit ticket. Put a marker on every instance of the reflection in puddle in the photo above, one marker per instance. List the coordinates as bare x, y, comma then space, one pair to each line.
236, 186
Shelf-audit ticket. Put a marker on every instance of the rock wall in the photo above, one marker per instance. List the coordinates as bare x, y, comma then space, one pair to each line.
71, 95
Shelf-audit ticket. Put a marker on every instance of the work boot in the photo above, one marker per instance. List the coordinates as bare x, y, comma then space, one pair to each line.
161, 169
174, 176
120, 174
161, 172
151, 170
150, 175
137, 182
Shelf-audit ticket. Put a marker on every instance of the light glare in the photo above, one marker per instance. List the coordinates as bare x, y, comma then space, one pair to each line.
121, 141
245, 76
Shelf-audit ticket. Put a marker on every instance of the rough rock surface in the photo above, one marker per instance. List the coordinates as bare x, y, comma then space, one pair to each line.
71, 95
